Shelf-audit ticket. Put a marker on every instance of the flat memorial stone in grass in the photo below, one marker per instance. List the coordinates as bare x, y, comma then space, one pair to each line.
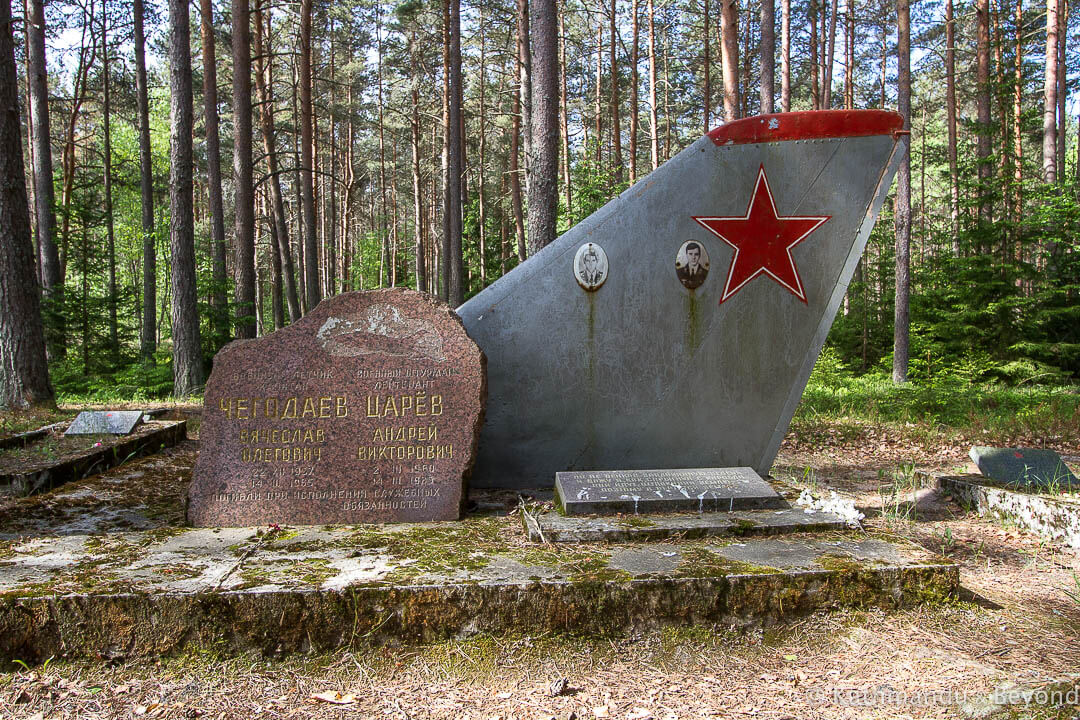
366, 410
105, 422
1024, 468
606, 492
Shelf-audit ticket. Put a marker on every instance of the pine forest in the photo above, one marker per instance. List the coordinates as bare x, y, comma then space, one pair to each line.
198, 173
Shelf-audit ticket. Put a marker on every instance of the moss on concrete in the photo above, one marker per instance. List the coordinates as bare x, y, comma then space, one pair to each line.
743, 527
700, 561
634, 521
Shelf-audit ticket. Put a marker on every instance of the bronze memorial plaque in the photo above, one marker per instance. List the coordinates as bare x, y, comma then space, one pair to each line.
366, 410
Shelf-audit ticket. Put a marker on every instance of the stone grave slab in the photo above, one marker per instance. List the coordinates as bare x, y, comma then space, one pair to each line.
552, 527
366, 410
606, 492
1024, 468
105, 422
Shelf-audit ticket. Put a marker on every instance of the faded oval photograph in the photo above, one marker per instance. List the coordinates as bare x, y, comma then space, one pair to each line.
590, 266
692, 264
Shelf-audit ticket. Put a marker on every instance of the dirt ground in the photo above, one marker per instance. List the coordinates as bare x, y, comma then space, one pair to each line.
1016, 625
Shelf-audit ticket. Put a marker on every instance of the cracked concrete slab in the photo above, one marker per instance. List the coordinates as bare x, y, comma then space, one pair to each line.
74, 580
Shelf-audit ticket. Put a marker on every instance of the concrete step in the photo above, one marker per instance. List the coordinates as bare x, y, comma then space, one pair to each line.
105, 567
174, 589
555, 528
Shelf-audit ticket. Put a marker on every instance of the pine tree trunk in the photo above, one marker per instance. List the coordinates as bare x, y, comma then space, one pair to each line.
706, 69
24, 382
307, 159
515, 170
110, 225
148, 332
669, 118
616, 132
1018, 116
849, 57
747, 56
87, 57
884, 63
297, 184
903, 199
434, 248
277, 307
653, 122
823, 25
829, 57
187, 351
729, 50
258, 296
244, 189
52, 279
1003, 130
330, 239
265, 87
85, 305
564, 118
418, 203
347, 195
815, 91
598, 115
504, 229
785, 56
985, 128
454, 261
524, 67
1062, 91
386, 263
768, 55
950, 109
544, 166
482, 120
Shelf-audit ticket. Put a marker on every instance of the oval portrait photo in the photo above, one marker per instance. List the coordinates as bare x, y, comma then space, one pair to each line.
590, 266
692, 264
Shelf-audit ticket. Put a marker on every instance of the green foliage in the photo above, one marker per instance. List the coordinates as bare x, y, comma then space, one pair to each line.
593, 185
133, 382
954, 399
491, 258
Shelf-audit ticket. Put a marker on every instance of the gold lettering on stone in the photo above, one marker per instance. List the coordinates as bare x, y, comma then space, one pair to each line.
291, 408
420, 405
410, 434
376, 453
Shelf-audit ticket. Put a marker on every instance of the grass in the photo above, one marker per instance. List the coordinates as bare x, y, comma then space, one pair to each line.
898, 495
991, 411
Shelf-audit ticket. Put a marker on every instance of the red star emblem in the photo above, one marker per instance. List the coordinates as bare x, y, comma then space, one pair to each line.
762, 241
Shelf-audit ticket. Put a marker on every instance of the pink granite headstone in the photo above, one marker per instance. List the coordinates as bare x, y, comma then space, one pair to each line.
366, 410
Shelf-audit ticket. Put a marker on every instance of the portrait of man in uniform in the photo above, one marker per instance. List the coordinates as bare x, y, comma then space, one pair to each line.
692, 264
590, 266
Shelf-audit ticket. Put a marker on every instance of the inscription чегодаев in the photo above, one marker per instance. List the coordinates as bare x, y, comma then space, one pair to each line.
365, 410
687, 490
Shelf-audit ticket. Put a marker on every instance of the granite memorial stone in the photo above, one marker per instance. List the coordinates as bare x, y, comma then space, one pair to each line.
723, 271
648, 491
1024, 468
105, 422
366, 410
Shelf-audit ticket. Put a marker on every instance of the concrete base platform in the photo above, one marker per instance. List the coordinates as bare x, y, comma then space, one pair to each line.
556, 528
147, 593
104, 567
